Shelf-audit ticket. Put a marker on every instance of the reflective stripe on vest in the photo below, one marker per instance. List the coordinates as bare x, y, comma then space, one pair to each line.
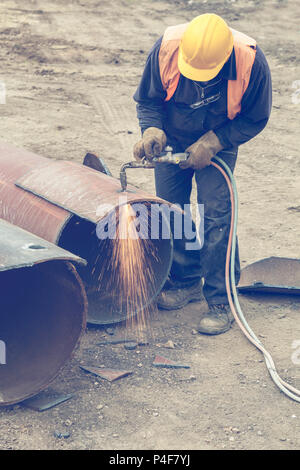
244, 48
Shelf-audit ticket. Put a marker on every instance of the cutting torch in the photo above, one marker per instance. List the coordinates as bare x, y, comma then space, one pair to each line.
167, 157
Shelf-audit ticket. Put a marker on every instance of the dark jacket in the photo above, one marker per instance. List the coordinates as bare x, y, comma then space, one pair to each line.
194, 110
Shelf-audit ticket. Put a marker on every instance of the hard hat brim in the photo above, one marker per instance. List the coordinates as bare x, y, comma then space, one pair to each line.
199, 75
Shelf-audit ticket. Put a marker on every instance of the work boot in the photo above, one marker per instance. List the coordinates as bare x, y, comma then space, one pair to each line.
217, 320
175, 298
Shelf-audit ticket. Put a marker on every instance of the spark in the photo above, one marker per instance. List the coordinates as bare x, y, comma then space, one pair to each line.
126, 270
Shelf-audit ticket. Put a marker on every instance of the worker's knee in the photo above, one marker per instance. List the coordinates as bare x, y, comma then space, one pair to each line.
213, 193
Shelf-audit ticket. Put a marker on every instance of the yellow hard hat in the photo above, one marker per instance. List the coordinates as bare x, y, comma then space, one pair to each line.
205, 47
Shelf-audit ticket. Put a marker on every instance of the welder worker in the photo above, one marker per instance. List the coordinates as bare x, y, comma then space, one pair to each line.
205, 90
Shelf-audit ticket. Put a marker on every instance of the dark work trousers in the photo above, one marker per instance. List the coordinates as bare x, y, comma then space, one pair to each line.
189, 266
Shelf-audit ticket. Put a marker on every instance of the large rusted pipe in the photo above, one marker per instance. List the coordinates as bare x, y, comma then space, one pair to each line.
64, 202
42, 313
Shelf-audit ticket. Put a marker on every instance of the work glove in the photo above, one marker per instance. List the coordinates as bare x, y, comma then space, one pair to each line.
151, 145
202, 151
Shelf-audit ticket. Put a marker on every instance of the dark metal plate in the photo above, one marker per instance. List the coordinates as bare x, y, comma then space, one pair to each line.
46, 400
275, 274
96, 163
19, 249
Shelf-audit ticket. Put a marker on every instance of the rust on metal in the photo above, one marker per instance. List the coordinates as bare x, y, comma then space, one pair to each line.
164, 362
80, 190
63, 202
42, 315
20, 207
275, 274
96, 163
108, 374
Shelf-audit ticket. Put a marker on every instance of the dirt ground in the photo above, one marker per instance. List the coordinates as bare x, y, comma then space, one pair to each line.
70, 69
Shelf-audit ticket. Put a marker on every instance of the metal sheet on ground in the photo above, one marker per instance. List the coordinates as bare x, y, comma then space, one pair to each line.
108, 374
46, 400
274, 274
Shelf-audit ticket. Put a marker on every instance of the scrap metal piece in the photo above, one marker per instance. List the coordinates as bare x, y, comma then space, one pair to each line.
19, 248
115, 341
108, 374
42, 315
274, 274
96, 163
161, 361
46, 400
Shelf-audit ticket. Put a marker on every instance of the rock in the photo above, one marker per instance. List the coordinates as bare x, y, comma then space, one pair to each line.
130, 346
169, 344
236, 430
61, 435
110, 331
68, 422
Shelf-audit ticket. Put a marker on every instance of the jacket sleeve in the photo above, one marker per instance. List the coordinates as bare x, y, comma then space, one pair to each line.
255, 107
150, 94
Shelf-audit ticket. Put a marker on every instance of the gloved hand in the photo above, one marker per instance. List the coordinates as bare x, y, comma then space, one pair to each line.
202, 151
151, 145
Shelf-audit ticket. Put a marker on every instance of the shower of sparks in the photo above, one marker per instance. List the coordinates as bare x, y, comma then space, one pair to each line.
126, 271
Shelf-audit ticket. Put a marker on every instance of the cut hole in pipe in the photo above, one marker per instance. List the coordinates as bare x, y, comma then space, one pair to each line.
34, 247
114, 269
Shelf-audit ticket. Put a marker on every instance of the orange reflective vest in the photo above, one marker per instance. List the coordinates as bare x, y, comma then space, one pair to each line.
244, 48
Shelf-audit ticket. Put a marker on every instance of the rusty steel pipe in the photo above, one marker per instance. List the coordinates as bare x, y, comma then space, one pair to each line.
63, 202
42, 314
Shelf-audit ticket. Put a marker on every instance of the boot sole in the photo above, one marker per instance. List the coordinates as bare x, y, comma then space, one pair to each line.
217, 332
177, 307
214, 333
